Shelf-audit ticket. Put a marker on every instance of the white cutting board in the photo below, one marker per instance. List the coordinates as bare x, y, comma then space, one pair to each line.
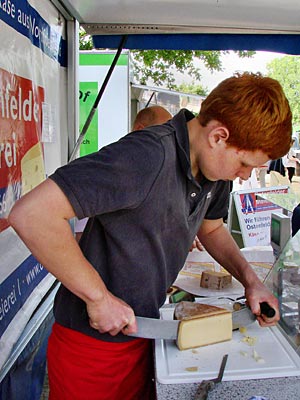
279, 358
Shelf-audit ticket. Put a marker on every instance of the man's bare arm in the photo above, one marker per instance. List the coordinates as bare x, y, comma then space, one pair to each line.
220, 244
41, 220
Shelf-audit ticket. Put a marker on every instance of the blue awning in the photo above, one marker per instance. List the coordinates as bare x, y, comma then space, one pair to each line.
281, 43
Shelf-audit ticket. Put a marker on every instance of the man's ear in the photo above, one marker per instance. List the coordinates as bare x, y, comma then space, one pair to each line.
218, 135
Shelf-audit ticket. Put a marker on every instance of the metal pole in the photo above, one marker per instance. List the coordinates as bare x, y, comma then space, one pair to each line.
98, 98
149, 101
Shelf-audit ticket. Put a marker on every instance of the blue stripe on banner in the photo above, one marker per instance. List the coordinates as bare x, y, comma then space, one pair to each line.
8, 196
28, 22
16, 289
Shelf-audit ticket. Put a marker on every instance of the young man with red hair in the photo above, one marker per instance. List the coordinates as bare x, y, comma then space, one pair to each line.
146, 197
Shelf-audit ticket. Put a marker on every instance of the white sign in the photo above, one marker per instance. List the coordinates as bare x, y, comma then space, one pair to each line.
254, 214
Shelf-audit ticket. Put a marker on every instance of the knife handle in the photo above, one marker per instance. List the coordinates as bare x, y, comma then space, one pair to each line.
203, 389
267, 310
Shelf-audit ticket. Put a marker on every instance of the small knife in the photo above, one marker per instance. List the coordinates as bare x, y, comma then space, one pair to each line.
152, 328
207, 385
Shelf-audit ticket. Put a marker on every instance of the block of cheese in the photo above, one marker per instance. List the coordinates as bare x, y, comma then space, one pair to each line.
215, 280
32, 167
201, 324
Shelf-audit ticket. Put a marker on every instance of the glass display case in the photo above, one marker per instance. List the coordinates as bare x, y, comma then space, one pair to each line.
284, 281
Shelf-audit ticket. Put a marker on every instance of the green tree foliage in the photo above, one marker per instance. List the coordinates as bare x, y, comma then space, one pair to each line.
287, 71
158, 66
85, 41
192, 88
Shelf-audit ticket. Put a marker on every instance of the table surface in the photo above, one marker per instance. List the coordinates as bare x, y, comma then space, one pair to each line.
277, 388
272, 389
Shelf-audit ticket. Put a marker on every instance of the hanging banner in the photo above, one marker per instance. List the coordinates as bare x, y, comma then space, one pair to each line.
27, 21
31, 77
21, 155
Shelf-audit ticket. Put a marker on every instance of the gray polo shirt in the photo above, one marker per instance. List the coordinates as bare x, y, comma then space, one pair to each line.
145, 209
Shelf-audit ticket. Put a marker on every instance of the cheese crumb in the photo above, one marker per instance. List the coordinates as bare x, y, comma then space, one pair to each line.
249, 340
192, 369
257, 358
243, 330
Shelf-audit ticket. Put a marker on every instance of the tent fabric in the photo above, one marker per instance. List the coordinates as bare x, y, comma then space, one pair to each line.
281, 43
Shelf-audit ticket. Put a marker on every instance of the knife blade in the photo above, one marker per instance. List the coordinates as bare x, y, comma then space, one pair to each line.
242, 317
152, 328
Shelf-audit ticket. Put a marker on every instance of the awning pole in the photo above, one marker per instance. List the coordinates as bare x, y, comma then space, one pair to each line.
98, 98
149, 101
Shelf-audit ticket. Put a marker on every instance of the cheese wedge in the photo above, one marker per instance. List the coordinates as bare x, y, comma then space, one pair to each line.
215, 280
32, 167
201, 325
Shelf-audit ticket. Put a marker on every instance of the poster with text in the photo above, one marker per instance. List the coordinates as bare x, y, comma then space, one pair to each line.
111, 120
254, 214
31, 75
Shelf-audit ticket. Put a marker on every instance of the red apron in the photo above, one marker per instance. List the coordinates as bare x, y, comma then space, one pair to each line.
84, 368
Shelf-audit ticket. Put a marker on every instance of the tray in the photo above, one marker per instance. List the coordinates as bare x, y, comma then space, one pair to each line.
260, 258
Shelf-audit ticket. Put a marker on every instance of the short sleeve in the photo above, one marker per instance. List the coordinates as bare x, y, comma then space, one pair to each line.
119, 176
219, 205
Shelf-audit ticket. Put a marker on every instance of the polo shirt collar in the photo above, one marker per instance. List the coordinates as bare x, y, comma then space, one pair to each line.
179, 122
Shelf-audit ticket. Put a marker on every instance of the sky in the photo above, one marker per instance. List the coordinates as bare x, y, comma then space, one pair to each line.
232, 63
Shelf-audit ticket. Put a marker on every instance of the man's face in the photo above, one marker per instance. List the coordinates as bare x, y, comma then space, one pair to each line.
231, 163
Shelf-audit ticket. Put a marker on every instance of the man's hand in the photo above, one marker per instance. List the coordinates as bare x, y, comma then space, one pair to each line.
111, 315
257, 294
197, 244
219, 243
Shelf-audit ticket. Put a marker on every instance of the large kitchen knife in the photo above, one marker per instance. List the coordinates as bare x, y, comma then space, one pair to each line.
151, 328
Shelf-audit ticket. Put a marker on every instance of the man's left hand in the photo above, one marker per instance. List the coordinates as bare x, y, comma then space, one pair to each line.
257, 294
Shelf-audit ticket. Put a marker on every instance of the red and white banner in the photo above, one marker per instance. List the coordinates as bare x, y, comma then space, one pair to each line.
32, 116
21, 157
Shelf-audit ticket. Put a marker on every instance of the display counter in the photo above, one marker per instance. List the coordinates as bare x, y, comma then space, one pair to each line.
278, 377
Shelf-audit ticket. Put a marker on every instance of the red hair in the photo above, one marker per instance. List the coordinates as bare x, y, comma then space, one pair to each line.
255, 111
